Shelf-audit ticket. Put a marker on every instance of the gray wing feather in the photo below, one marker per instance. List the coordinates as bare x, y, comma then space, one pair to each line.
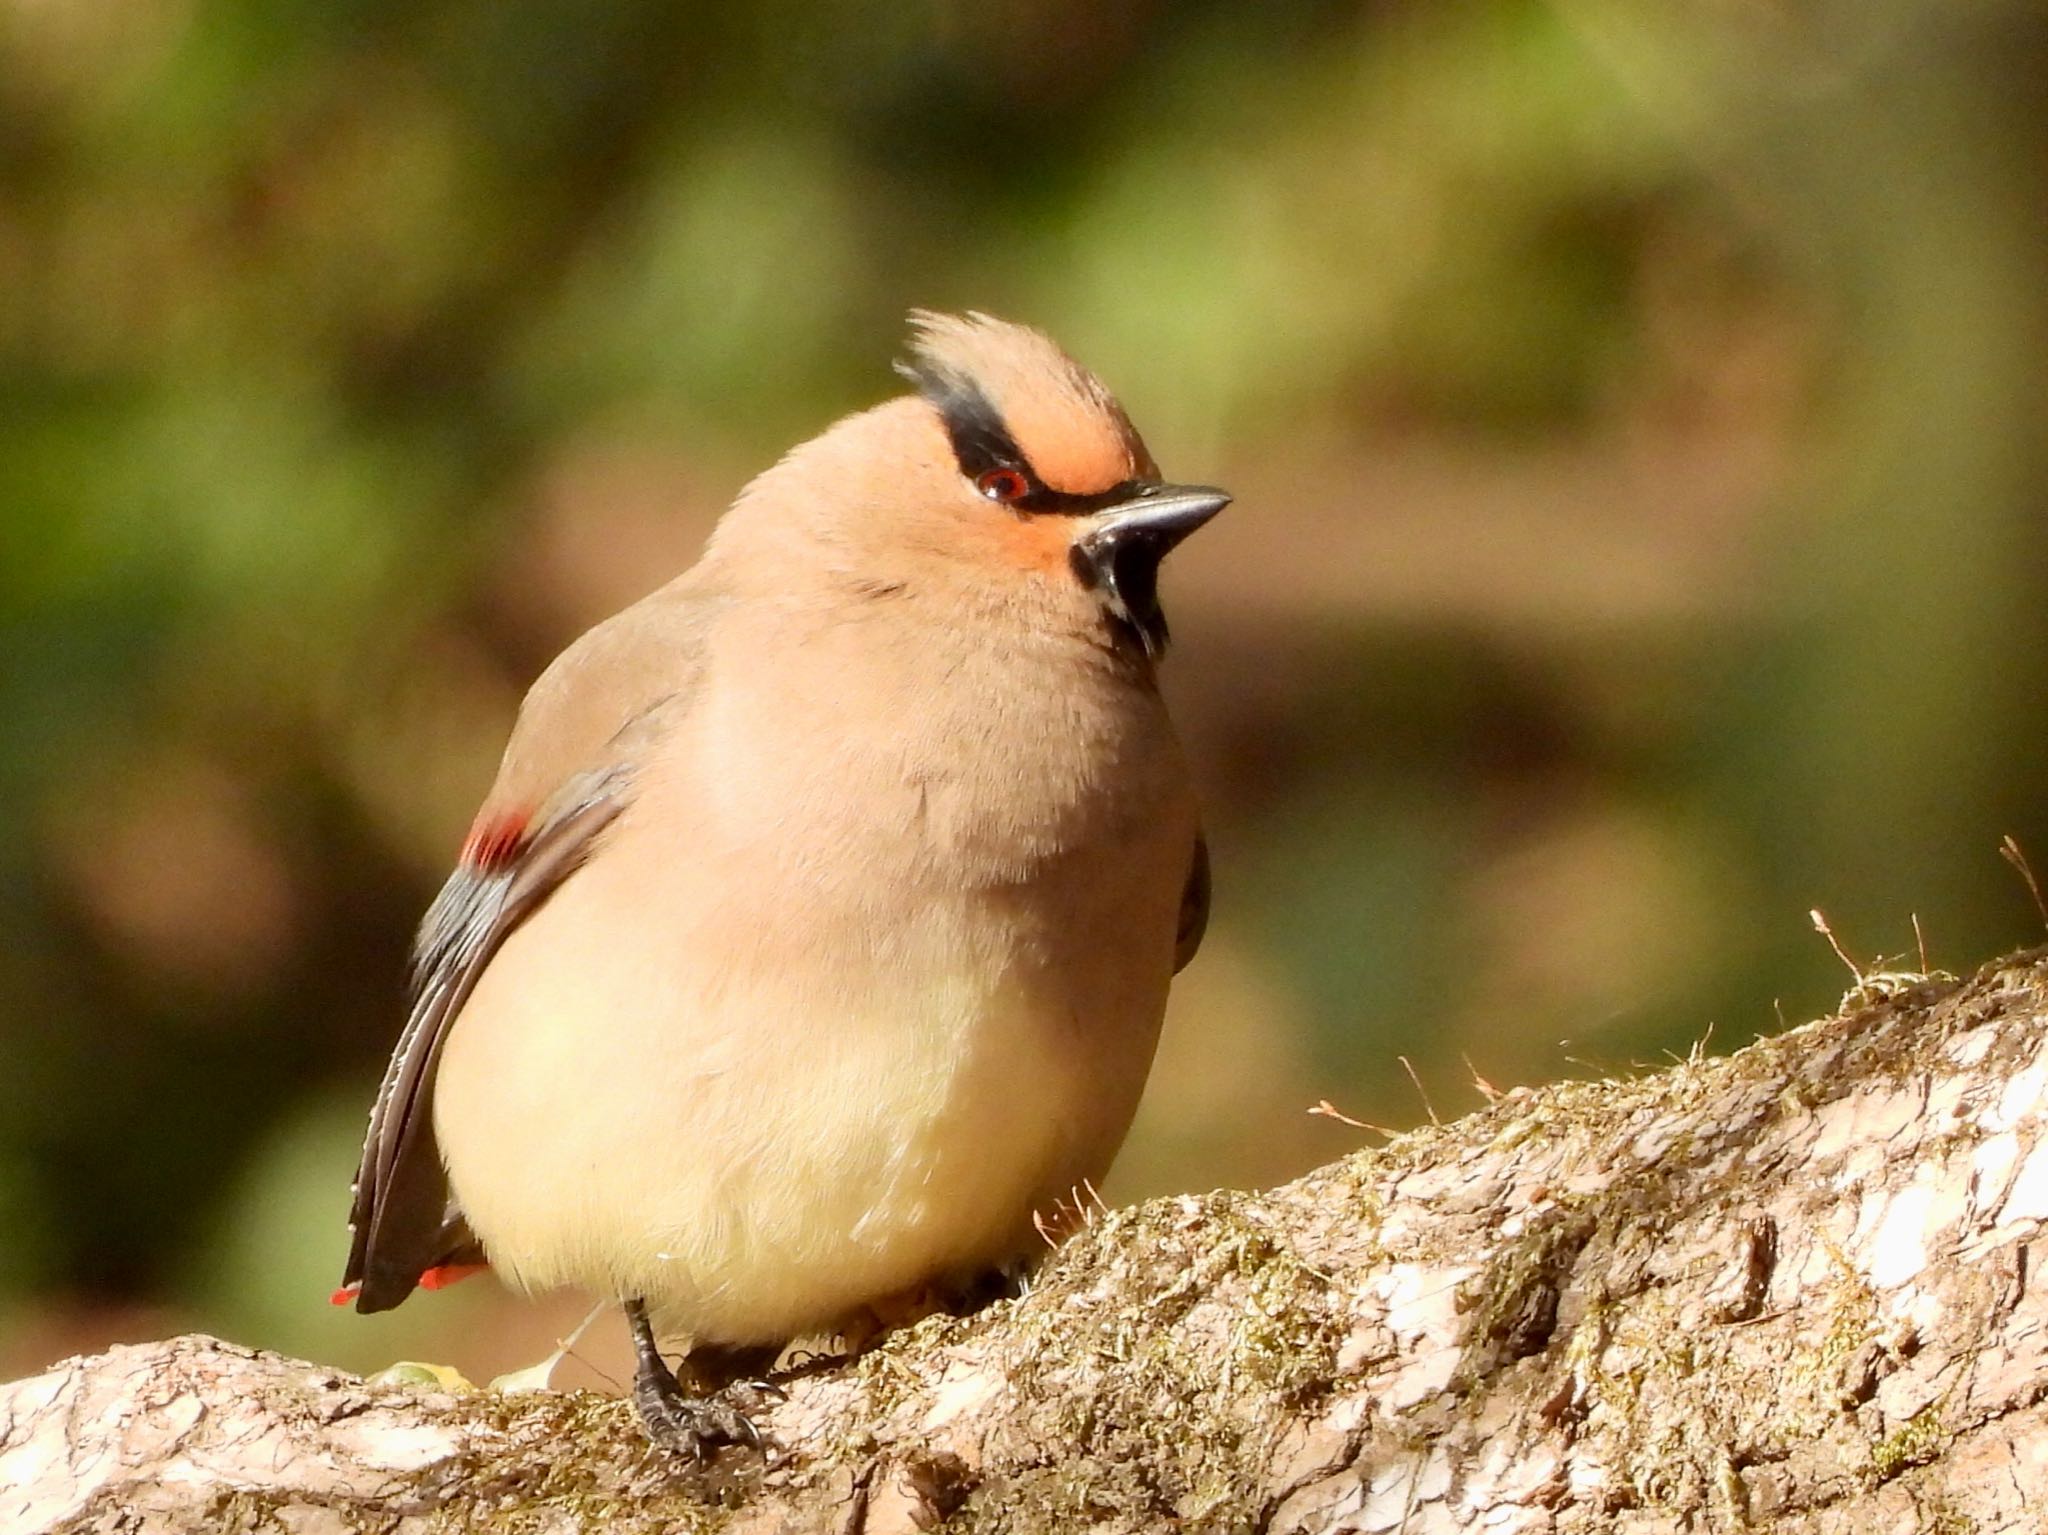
403, 1218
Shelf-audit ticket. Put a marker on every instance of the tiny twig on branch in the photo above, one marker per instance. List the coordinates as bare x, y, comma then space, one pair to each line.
2009, 849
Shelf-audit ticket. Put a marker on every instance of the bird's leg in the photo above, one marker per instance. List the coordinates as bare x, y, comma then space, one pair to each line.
858, 1331
1010, 1282
673, 1418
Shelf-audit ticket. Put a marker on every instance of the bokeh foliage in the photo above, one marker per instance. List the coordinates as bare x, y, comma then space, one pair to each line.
1635, 414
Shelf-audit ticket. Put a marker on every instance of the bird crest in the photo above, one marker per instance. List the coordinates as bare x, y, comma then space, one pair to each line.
1000, 386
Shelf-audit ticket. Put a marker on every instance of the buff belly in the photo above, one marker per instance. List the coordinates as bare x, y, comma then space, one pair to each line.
759, 1155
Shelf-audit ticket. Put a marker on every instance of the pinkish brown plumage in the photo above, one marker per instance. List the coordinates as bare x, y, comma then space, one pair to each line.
819, 925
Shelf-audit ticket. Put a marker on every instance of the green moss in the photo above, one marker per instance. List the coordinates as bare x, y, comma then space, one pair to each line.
1941, 1518
1913, 1443
1514, 1301
1152, 1360
587, 1480
242, 1512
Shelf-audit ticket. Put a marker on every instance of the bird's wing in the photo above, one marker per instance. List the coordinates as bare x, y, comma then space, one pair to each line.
1194, 907
602, 704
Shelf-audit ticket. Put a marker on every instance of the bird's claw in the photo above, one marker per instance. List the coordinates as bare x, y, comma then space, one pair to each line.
680, 1423
687, 1425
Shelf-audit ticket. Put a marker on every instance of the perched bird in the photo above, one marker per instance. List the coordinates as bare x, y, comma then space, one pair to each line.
818, 928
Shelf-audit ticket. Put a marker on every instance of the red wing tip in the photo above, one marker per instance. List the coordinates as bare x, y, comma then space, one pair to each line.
494, 840
446, 1274
345, 1295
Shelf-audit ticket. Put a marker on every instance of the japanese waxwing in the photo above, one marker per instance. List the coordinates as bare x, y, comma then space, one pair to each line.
817, 930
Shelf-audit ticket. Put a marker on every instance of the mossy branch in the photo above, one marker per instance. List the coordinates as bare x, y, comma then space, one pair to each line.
1790, 1289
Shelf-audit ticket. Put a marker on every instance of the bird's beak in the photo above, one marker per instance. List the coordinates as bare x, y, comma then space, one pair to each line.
1119, 554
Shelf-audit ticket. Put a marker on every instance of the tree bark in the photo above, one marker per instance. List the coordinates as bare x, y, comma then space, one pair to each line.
1792, 1289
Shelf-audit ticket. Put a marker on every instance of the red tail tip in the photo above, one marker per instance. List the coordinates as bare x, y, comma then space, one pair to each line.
446, 1274
344, 1296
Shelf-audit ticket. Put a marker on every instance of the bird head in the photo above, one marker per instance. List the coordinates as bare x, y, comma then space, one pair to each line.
1011, 479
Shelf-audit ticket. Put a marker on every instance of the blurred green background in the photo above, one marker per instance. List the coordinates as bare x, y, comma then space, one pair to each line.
1636, 414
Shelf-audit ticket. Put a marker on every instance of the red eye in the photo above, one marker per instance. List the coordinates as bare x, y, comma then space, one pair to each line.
1005, 485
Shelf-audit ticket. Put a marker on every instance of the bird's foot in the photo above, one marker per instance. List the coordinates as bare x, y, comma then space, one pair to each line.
674, 1419
687, 1425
